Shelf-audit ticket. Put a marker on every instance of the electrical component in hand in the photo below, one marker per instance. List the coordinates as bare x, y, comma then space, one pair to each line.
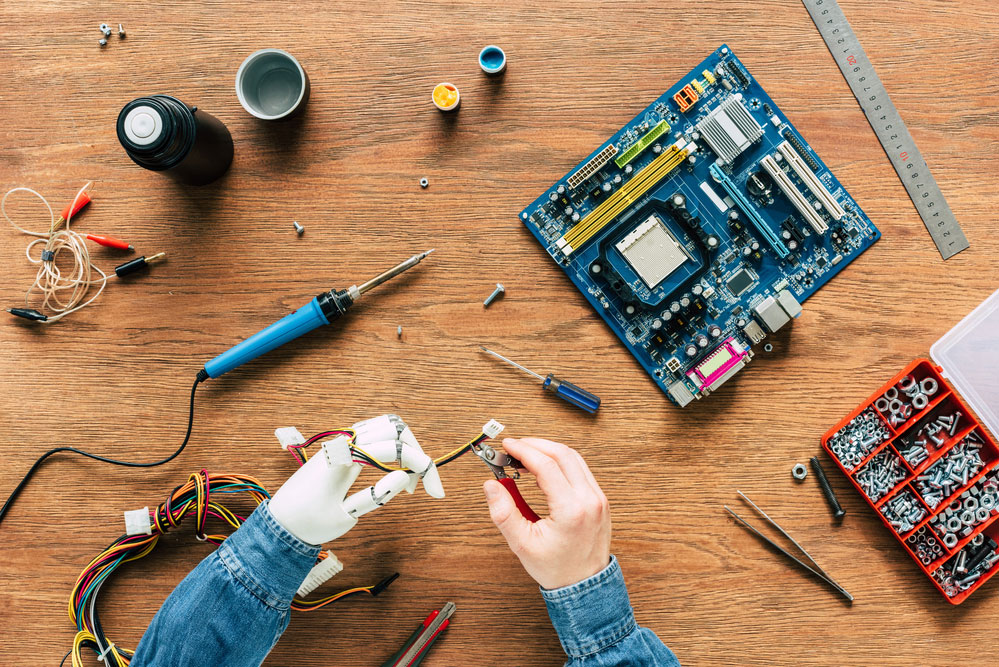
63, 292
199, 498
364, 455
567, 391
323, 309
375, 445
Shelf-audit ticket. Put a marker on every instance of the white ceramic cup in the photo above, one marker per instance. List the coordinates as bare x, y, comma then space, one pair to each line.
271, 84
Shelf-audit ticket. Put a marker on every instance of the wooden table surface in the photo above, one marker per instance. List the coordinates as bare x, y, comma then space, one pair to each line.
114, 377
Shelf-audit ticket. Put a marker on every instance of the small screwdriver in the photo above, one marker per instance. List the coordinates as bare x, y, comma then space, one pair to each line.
567, 391
323, 309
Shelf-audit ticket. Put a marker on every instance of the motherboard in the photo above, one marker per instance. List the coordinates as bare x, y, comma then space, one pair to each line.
700, 227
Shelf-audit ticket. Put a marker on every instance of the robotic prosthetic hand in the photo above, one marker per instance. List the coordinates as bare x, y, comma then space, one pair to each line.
313, 504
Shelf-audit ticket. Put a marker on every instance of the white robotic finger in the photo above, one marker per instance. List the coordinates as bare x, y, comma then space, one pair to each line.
373, 497
406, 435
426, 469
377, 429
412, 457
436, 489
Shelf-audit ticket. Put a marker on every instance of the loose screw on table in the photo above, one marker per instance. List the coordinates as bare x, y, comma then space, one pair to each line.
492, 297
820, 474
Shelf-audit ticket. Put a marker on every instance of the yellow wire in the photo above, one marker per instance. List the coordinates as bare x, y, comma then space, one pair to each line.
331, 598
85, 635
387, 468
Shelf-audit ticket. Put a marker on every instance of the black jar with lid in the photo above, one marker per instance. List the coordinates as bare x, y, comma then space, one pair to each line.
161, 133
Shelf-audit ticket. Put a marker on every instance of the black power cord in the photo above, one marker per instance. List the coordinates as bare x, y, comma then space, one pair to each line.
202, 376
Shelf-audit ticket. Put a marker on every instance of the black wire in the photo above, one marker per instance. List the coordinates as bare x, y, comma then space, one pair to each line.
63, 661
202, 376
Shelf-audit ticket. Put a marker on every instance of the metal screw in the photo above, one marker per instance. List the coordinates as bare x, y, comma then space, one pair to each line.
398, 331
102, 42
299, 228
424, 182
820, 474
492, 297
121, 32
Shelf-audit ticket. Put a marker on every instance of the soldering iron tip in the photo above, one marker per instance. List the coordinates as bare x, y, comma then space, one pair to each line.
429, 251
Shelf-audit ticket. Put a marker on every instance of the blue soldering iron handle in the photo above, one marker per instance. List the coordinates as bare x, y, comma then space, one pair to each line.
570, 393
290, 327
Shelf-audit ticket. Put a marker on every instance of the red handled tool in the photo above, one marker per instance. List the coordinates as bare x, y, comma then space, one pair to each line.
415, 649
497, 462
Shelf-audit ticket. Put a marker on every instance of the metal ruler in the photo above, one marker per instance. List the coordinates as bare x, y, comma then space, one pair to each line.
888, 126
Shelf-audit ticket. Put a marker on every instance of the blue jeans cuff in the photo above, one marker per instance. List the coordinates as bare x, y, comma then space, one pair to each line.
267, 559
593, 614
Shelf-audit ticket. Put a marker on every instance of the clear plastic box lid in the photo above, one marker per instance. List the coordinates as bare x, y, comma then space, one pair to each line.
969, 357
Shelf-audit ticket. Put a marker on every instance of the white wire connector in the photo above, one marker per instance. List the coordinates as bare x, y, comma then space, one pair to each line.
337, 451
492, 428
320, 573
137, 522
289, 435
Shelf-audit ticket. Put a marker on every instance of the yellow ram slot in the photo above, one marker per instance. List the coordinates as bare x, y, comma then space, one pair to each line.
628, 194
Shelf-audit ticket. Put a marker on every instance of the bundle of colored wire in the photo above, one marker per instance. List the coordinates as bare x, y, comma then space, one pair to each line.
60, 293
360, 456
197, 498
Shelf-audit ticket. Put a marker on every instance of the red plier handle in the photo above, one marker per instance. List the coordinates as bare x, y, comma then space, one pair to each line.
497, 462
511, 485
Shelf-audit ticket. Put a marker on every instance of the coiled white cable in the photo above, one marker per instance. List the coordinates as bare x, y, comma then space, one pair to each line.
60, 293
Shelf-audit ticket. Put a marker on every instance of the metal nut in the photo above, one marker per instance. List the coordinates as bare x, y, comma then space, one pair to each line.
799, 471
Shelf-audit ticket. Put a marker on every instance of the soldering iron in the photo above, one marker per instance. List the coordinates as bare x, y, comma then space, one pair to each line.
323, 309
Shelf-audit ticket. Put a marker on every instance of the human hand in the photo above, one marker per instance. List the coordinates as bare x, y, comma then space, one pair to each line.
573, 542
313, 504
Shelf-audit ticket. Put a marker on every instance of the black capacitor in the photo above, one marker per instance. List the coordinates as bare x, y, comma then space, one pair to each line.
161, 133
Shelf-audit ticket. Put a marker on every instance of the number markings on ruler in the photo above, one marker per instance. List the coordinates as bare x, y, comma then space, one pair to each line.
887, 124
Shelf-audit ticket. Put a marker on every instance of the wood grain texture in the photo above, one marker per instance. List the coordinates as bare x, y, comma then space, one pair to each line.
114, 377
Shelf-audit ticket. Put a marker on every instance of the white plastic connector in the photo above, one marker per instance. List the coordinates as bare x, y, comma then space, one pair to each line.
137, 522
337, 451
492, 428
320, 573
289, 435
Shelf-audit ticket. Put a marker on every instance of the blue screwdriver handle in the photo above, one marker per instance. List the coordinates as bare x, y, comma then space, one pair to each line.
570, 393
290, 327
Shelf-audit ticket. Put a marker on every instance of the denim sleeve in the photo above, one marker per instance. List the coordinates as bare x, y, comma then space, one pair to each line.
232, 608
597, 627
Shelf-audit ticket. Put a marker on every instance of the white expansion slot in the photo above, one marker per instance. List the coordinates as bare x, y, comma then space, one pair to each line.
791, 190
811, 180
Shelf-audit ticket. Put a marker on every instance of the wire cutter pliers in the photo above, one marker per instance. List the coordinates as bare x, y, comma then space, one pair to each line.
498, 462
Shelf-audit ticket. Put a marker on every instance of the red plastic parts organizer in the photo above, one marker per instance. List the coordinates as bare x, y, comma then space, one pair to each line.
921, 476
